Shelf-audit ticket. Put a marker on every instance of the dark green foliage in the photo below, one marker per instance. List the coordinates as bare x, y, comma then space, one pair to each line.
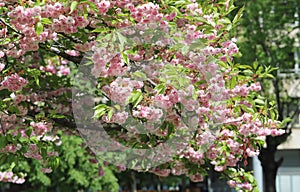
75, 171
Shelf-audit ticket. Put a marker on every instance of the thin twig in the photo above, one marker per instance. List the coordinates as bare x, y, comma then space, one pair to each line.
6, 24
75, 40
74, 59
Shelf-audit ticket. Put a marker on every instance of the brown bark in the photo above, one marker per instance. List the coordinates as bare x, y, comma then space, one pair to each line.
133, 182
194, 187
267, 155
183, 185
269, 163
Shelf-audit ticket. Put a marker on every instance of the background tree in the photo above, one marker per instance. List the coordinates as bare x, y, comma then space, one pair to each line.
78, 170
268, 32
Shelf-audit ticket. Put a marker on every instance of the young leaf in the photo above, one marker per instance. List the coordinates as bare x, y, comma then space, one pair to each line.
259, 101
110, 114
46, 21
122, 40
101, 30
140, 75
39, 28
161, 88
238, 15
73, 6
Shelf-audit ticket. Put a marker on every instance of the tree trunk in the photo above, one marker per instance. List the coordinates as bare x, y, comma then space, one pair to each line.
270, 172
267, 155
269, 164
183, 184
194, 187
133, 182
158, 187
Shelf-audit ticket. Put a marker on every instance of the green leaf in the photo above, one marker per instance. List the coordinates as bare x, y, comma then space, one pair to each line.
37, 81
259, 101
35, 74
34, 139
176, 10
268, 76
101, 30
185, 49
198, 43
14, 109
7, 99
138, 100
54, 163
272, 114
135, 98
140, 75
121, 39
100, 110
229, 27
181, 2
12, 165
255, 65
287, 120
44, 153
99, 113
100, 106
3, 141
110, 114
28, 132
160, 88
46, 21
247, 109
244, 66
3, 159
23, 140
39, 28
233, 82
57, 116
238, 15
125, 58
73, 6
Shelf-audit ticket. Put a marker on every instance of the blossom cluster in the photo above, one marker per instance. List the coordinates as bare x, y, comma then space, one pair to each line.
85, 47
63, 70
119, 118
68, 24
145, 13
101, 57
41, 128
10, 148
13, 82
119, 90
148, 113
35, 97
25, 19
11, 177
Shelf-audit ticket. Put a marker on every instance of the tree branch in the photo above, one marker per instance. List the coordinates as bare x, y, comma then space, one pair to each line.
6, 24
279, 162
74, 59
74, 39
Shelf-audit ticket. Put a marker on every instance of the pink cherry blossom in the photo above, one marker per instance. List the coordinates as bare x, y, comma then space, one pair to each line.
13, 82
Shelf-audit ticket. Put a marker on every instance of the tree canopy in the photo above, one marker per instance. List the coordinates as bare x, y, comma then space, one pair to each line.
150, 86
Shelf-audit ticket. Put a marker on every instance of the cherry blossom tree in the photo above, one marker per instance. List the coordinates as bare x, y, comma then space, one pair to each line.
153, 86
